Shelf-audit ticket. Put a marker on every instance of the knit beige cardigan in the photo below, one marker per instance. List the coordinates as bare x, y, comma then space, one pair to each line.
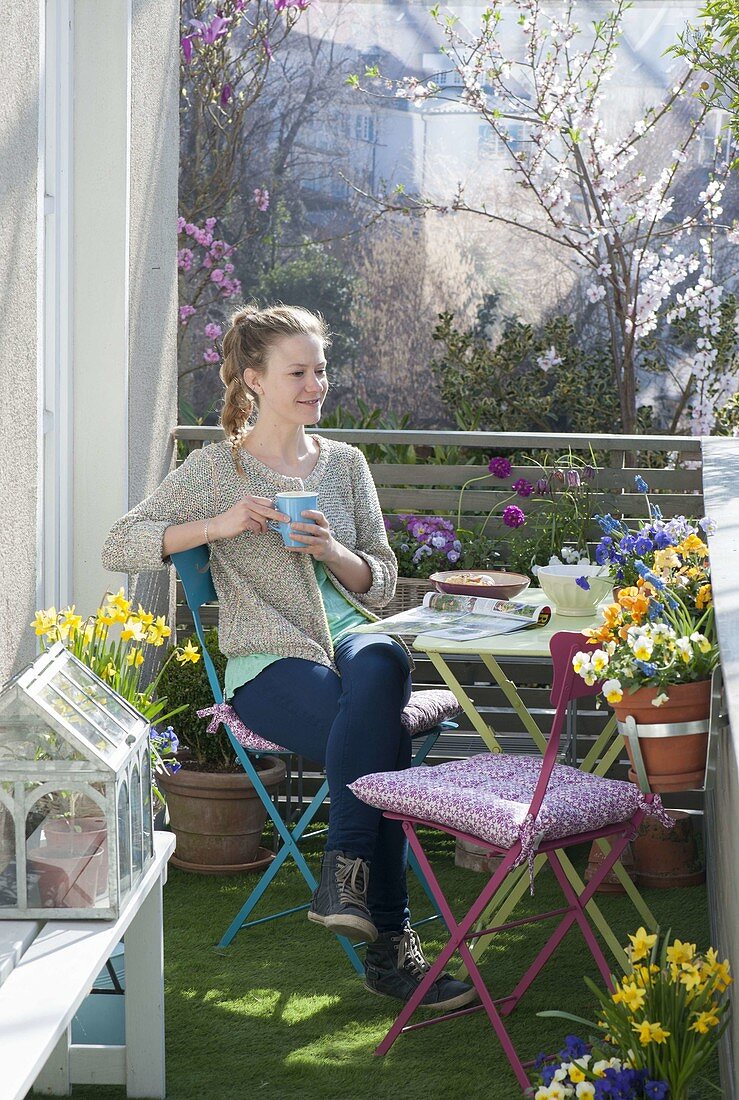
268, 597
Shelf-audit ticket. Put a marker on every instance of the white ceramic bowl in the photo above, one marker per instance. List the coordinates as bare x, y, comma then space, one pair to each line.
559, 582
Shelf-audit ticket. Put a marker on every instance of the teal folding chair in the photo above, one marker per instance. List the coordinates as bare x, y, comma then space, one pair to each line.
428, 713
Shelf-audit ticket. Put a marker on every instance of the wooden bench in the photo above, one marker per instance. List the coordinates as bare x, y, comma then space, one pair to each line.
46, 971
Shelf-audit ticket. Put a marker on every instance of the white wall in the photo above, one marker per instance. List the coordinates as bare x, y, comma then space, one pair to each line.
120, 147
720, 474
19, 212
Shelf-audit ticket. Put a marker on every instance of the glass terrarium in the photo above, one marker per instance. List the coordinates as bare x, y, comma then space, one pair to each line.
76, 830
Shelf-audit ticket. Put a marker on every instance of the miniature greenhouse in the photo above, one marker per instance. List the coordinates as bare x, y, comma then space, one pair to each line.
75, 793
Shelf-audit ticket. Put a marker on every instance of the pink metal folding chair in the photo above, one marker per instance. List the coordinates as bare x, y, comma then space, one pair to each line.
513, 807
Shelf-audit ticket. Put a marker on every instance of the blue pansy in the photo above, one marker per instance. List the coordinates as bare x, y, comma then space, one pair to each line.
643, 545
647, 667
627, 544
656, 1090
547, 1074
583, 583
662, 539
574, 1047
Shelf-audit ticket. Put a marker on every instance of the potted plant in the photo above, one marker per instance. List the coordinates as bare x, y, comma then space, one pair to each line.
657, 647
655, 1030
426, 544
114, 643
213, 807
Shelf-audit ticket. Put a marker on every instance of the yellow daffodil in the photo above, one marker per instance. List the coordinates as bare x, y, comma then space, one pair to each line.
679, 953
189, 652
641, 944
119, 601
650, 1033
690, 976
144, 617
704, 1021
135, 657
633, 997
44, 621
132, 631
158, 631
109, 672
719, 971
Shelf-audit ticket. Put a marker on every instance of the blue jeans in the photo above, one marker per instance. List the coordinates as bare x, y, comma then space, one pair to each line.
350, 724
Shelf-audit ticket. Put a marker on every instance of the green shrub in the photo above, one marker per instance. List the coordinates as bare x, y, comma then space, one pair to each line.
188, 684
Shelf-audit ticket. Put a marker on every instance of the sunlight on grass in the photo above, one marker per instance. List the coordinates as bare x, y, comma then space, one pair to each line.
341, 1046
259, 1003
300, 1008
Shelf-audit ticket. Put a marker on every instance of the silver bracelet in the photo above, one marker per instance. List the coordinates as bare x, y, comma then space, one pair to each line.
207, 540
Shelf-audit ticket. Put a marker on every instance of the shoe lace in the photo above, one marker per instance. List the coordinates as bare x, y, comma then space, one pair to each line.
351, 878
410, 954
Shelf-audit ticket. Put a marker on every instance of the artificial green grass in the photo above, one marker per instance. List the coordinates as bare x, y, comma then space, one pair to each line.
281, 1013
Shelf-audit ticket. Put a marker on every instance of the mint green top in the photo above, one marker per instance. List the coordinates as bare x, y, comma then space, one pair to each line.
341, 615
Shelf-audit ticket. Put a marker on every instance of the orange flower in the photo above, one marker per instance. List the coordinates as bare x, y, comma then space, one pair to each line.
704, 597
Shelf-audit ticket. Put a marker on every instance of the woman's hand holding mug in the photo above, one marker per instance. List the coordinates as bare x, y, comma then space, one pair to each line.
248, 514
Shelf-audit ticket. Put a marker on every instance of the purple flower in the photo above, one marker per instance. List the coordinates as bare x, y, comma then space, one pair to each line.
452, 556
574, 1047
210, 355
216, 275
211, 32
513, 516
523, 487
542, 485
268, 49
186, 44
210, 224
499, 466
213, 331
656, 1090
643, 545
185, 313
572, 479
588, 473
184, 258
261, 198
226, 94
583, 583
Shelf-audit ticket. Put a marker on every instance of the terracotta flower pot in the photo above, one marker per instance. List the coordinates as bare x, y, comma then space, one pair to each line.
218, 818
611, 884
668, 858
69, 881
78, 836
674, 760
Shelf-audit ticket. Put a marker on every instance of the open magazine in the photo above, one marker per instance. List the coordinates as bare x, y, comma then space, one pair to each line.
461, 617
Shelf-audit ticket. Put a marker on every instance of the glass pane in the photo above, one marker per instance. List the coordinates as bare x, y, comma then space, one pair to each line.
66, 851
26, 735
8, 871
146, 798
68, 711
124, 840
126, 718
137, 827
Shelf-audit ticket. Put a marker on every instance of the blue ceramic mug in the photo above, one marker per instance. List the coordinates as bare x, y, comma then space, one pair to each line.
292, 504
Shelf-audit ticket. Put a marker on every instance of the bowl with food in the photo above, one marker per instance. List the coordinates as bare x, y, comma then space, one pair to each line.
494, 584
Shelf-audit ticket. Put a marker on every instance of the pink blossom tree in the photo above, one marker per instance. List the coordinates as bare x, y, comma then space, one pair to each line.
608, 202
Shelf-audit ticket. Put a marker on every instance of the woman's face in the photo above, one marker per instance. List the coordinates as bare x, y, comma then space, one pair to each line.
294, 385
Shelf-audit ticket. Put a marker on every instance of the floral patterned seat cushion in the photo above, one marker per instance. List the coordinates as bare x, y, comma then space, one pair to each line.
424, 710
488, 796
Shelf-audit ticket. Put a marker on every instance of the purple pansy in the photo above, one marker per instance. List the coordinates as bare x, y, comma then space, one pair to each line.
584, 583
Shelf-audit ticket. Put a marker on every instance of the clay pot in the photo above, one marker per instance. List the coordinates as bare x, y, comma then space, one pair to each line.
611, 883
65, 881
673, 762
78, 836
218, 818
668, 858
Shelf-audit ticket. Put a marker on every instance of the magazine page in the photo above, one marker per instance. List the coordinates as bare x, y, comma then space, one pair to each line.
461, 617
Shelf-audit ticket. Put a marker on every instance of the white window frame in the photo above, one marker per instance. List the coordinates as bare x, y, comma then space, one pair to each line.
54, 497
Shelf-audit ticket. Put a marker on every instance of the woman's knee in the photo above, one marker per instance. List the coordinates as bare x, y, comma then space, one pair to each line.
378, 657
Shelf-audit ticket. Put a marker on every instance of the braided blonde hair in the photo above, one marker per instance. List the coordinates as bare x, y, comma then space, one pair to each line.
247, 343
